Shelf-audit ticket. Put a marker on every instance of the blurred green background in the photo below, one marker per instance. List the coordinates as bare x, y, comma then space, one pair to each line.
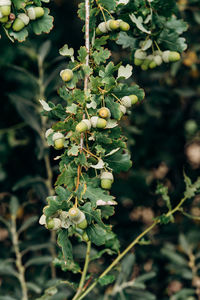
164, 139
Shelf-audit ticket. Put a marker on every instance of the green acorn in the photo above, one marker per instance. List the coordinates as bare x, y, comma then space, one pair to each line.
174, 56
98, 32
77, 217
53, 224
35, 12
104, 113
66, 75
5, 8
112, 24
134, 99
107, 180
140, 54
4, 19
83, 126
152, 65
138, 62
124, 26
122, 111
97, 122
58, 139
20, 22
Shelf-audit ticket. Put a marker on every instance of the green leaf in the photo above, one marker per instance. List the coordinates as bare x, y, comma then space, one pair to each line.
82, 53
20, 36
66, 177
119, 161
172, 41
101, 55
73, 151
96, 234
40, 260
65, 244
94, 194
107, 279
114, 107
44, 24
54, 204
66, 51
126, 41
125, 72
100, 41
179, 26
108, 4
124, 90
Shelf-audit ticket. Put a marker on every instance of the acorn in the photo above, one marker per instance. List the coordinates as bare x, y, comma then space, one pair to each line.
8, 25
77, 217
124, 26
102, 27
152, 65
106, 180
170, 56
20, 22
140, 54
83, 126
97, 122
4, 19
66, 75
134, 99
174, 56
112, 24
5, 8
104, 113
98, 32
138, 62
126, 101
53, 224
35, 12
158, 59
58, 139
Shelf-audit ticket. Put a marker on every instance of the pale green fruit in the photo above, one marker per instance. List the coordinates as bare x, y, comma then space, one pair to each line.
104, 113
106, 180
98, 31
18, 25
124, 26
66, 75
134, 99
35, 12
59, 144
82, 225
5, 10
83, 126
74, 214
101, 123
138, 62
4, 19
174, 56
152, 65
114, 24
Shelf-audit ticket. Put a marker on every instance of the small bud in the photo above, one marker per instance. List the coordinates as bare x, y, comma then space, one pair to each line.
104, 113
83, 126
66, 75
106, 180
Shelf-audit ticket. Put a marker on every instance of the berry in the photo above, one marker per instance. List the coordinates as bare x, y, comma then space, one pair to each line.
66, 75
106, 180
124, 26
104, 113
83, 126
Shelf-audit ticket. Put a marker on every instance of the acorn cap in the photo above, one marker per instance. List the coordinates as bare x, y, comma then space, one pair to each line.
42, 220
107, 175
57, 135
5, 2
87, 122
122, 109
107, 24
93, 121
126, 101
81, 219
158, 60
102, 27
24, 18
165, 56
48, 132
57, 223
31, 13
140, 54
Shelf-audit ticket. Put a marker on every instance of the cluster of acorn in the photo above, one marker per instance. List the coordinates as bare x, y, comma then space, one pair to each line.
18, 23
112, 25
153, 60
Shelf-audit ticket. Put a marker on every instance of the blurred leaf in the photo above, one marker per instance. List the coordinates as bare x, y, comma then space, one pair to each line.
14, 205
107, 279
27, 223
40, 260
